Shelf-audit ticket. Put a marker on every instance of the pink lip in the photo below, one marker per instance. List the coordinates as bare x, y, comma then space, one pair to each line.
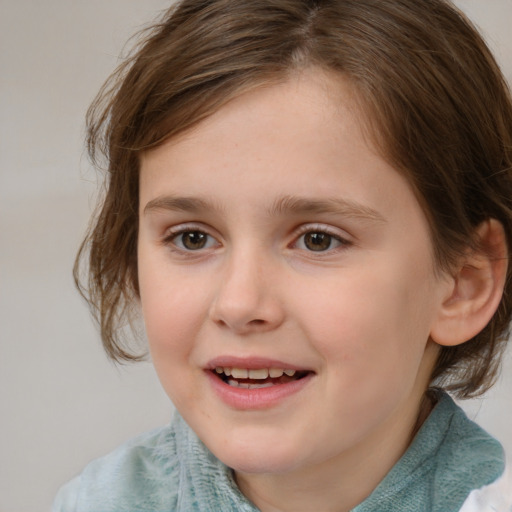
254, 399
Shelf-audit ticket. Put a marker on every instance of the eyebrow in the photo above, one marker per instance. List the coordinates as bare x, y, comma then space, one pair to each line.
333, 206
281, 206
183, 204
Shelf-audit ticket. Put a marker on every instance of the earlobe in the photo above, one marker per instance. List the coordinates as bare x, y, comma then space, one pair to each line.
477, 288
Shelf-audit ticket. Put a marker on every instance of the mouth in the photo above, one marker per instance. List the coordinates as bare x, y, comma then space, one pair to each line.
258, 378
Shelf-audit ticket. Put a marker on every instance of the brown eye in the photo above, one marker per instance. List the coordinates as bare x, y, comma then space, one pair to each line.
192, 240
318, 241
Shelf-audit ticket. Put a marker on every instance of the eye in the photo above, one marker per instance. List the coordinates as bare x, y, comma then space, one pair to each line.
191, 240
319, 241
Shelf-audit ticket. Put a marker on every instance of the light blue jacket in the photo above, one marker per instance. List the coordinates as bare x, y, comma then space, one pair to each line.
170, 470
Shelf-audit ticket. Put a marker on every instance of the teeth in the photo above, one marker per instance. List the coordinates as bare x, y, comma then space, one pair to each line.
258, 374
239, 373
255, 374
246, 385
225, 371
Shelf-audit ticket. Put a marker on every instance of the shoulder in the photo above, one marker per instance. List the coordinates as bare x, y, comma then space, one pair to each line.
450, 457
129, 477
463, 457
467, 452
466, 459
65, 501
495, 497
163, 470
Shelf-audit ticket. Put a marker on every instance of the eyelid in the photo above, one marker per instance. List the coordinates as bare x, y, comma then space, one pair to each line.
323, 228
188, 226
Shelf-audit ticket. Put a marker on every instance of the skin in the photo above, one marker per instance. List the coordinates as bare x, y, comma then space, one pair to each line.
358, 313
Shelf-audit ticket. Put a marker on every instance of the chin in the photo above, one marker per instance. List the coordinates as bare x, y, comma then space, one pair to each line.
259, 466
259, 458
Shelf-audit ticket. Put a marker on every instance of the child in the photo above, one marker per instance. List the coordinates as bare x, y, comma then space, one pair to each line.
310, 202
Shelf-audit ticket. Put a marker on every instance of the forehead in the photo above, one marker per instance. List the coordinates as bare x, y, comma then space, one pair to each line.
302, 138
277, 117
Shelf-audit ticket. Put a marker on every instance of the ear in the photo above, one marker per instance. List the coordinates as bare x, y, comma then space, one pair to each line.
477, 288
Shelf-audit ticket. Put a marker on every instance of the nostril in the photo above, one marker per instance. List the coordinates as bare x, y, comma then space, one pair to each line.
257, 321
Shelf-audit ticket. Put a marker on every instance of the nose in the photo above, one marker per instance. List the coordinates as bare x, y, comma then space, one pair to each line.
247, 298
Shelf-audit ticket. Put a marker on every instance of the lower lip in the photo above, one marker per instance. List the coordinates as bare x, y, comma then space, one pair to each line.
256, 398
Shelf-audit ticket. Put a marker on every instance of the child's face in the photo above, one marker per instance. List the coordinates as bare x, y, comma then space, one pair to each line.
273, 237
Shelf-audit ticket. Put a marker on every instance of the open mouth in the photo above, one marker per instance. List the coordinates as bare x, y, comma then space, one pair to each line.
258, 378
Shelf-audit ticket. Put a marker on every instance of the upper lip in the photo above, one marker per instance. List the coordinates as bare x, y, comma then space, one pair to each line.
251, 363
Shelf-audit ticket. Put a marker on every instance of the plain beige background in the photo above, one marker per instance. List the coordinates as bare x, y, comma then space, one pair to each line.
61, 402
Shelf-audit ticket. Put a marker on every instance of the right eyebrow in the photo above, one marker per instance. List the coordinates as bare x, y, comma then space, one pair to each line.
183, 204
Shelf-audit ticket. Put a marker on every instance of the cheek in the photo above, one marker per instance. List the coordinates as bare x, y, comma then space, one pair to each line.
170, 297
174, 309
371, 323
172, 322
171, 319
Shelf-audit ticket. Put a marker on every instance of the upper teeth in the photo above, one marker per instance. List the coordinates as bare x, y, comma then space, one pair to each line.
260, 373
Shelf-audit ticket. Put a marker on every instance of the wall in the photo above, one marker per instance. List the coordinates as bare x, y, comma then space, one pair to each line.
61, 402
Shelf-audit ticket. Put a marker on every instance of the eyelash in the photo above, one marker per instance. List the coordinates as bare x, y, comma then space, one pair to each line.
342, 243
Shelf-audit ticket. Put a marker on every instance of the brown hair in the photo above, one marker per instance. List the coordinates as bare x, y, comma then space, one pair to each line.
436, 105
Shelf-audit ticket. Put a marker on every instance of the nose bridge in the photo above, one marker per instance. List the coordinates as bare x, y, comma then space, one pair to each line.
246, 298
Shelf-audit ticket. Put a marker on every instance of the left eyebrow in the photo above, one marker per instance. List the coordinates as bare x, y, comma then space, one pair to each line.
333, 206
